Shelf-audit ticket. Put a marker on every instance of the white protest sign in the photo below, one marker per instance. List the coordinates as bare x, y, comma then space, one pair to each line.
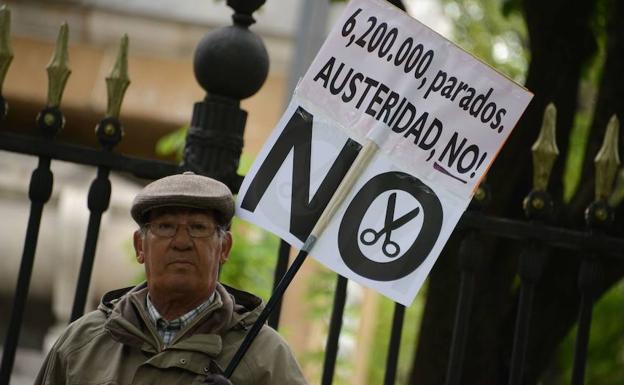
430, 105
439, 117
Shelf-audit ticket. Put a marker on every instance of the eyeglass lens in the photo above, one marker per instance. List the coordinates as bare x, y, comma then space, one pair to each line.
170, 229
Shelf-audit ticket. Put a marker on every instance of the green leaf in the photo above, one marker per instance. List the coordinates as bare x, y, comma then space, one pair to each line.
173, 143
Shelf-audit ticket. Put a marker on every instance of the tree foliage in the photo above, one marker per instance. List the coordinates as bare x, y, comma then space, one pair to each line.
573, 51
481, 28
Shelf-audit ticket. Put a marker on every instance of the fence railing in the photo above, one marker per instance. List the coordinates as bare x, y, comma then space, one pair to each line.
213, 148
213, 144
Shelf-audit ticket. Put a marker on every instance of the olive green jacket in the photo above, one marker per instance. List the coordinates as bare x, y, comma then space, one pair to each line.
118, 344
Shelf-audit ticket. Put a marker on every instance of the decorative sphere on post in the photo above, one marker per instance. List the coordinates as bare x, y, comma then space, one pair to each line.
232, 61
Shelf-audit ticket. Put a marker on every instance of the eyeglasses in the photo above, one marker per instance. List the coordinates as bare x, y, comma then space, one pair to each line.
166, 229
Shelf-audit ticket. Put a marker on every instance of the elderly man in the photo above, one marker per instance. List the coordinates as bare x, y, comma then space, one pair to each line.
181, 326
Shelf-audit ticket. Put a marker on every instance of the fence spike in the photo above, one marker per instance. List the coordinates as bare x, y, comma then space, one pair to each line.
6, 53
607, 161
117, 82
482, 195
545, 149
58, 69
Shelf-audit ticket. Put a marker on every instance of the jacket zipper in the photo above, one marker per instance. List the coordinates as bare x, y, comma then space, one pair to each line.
148, 322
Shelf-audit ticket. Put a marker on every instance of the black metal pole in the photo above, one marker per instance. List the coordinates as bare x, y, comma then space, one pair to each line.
335, 326
527, 292
275, 298
39, 192
460, 328
214, 140
280, 270
98, 201
599, 216
86, 267
582, 340
395, 343
470, 249
532, 261
588, 275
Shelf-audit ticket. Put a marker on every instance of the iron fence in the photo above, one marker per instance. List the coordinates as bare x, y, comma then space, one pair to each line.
213, 148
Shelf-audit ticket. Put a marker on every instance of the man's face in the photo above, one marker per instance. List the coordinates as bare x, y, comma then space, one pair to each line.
181, 263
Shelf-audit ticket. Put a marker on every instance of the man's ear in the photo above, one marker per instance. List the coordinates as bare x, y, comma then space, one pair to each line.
226, 247
138, 246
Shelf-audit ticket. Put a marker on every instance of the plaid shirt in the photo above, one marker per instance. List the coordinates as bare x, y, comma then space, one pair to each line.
168, 329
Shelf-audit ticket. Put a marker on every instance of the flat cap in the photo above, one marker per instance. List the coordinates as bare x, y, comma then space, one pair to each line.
184, 190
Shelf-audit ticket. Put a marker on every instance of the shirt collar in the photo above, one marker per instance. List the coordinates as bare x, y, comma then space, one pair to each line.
180, 322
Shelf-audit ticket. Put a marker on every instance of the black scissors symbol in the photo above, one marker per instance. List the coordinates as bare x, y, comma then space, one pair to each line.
390, 248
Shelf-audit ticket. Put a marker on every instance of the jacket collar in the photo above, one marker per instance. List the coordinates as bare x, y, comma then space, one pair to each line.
128, 320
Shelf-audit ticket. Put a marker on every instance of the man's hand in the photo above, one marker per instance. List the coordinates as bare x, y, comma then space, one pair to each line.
216, 379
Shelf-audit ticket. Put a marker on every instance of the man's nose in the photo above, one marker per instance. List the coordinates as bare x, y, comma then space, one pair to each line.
182, 238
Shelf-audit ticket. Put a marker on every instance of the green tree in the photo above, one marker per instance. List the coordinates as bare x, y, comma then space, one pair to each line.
563, 42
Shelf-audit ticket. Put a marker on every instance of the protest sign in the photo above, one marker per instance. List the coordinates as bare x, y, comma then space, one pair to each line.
439, 117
